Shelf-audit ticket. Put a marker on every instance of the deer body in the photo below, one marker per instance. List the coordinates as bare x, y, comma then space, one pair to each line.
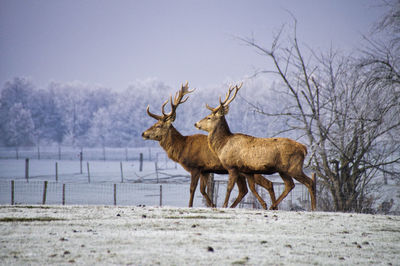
189, 152
250, 155
195, 156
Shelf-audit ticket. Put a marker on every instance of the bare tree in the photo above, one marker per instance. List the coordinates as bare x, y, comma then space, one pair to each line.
351, 124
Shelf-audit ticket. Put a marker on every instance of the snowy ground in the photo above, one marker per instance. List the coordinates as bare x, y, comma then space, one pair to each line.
88, 235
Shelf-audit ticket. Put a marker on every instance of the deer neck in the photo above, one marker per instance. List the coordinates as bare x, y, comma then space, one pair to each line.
173, 144
219, 135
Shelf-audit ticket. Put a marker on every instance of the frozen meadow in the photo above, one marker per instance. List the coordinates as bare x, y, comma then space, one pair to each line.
88, 235
130, 234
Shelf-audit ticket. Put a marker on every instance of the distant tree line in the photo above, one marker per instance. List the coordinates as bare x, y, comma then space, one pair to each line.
80, 115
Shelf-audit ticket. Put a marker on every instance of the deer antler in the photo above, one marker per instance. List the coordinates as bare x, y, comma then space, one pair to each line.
157, 117
227, 101
177, 101
178, 98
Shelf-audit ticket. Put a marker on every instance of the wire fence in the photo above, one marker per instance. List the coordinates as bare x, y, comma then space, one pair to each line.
114, 176
16, 192
77, 153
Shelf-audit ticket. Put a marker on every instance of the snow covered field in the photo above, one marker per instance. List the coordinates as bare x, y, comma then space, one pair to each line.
88, 235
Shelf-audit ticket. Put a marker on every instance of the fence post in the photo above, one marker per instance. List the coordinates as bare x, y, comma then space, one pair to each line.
81, 159
141, 162
63, 194
122, 173
56, 171
88, 172
126, 153
314, 179
156, 167
59, 152
44, 192
27, 169
160, 195
210, 186
115, 194
12, 191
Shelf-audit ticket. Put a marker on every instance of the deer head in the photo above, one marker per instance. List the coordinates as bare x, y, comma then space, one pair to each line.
210, 121
164, 121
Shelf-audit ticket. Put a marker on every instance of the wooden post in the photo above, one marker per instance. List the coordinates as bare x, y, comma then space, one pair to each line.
63, 194
115, 194
56, 171
160, 195
141, 162
88, 172
314, 179
44, 192
12, 192
210, 186
81, 159
27, 169
126, 153
156, 168
122, 173
59, 152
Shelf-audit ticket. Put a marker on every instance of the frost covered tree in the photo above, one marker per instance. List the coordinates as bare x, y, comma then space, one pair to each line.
77, 104
20, 127
47, 117
348, 123
19, 90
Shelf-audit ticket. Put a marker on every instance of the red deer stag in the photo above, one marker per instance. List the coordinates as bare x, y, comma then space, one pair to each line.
193, 153
248, 155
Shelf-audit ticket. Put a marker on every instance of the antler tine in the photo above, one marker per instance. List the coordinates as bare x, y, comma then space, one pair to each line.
227, 101
178, 99
157, 117
163, 111
236, 88
212, 109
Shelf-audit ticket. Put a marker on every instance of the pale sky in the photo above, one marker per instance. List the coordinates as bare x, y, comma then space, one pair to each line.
114, 43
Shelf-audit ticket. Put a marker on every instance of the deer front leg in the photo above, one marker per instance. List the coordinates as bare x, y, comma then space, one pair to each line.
252, 186
268, 185
203, 186
242, 187
289, 185
233, 176
193, 185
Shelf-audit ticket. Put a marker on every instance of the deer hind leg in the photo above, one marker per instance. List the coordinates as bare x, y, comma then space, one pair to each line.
203, 186
310, 183
193, 185
242, 187
268, 185
252, 186
233, 176
289, 185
